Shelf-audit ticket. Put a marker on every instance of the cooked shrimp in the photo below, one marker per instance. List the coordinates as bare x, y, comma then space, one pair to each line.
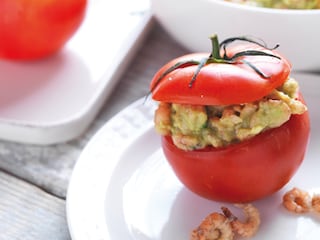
297, 201
214, 227
249, 227
315, 202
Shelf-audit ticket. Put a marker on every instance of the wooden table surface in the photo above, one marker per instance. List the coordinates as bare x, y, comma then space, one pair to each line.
34, 179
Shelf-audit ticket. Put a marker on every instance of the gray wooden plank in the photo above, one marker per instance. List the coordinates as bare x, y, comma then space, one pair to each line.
49, 167
27, 212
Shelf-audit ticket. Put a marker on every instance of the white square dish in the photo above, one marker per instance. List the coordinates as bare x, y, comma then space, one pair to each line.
55, 99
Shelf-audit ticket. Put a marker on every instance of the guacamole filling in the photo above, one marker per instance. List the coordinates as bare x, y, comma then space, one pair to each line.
281, 4
195, 127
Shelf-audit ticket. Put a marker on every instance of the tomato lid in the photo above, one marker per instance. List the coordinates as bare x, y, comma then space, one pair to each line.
244, 73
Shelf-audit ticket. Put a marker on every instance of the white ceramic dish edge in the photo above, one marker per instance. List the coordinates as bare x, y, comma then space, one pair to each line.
192, 22
46, 133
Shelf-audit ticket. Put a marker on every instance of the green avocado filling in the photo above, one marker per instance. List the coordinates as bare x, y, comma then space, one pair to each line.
195, 127
281, 4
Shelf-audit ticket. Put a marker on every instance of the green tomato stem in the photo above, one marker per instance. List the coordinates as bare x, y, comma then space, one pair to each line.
215, 54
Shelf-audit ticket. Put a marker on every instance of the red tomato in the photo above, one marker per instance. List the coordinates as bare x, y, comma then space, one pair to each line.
239, 172
246, 171
31, 29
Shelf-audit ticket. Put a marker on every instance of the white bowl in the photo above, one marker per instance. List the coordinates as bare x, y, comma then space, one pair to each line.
191, 22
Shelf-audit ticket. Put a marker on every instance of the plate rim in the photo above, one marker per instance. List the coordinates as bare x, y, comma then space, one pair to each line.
145, 107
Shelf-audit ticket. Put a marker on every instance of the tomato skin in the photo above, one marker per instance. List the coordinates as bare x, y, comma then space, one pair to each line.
246, 171
32, 29
220, 84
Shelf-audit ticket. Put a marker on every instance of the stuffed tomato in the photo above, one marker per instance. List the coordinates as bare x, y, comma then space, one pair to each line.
233, 122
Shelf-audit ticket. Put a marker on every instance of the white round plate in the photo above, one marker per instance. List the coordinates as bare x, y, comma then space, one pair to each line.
123, 188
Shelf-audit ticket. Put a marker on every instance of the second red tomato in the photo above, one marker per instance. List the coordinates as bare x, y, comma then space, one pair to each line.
32, 29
